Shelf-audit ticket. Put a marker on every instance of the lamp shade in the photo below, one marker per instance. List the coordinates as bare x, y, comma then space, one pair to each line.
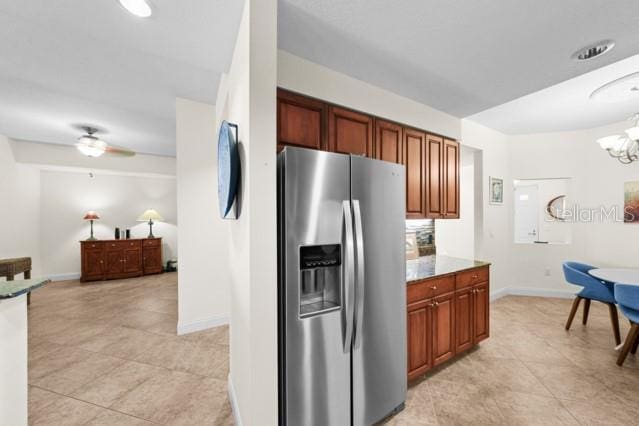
149, 214
91, 215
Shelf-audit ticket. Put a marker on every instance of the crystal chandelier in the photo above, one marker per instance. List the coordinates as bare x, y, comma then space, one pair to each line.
625, 147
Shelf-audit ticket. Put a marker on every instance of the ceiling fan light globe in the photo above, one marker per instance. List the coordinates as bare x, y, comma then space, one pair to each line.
91, 146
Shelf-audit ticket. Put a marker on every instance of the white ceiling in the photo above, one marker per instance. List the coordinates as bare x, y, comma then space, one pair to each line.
564, 106
460, 56
67, 62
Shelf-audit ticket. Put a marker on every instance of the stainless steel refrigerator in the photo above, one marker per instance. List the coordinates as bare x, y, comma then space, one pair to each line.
342, 288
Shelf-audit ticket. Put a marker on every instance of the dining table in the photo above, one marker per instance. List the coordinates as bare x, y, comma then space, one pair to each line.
628, 276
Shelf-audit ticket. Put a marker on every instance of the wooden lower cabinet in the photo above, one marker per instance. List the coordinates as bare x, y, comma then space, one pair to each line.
115, 259
445, 319
443, 328
419, 327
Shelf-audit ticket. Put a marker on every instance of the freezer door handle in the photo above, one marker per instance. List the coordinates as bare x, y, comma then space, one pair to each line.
348, 275
359, 278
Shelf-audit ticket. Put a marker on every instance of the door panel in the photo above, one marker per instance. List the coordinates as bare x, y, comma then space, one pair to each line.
419, 328
443, 328
526, 214
133, 260
152, 259
114, 262
480, 313
350, 132
414, 159
379, 364
94, 263
451, 181
301, 121
463, 320
314, 365
434, 177
388, 141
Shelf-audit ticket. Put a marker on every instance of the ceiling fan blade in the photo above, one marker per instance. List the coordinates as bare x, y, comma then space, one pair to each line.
122, 152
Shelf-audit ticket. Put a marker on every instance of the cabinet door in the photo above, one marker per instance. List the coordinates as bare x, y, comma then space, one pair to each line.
93, 267
443, 328
152, 260
301, 121
414, 159
419, 327
480, 312
350, 132
463, 320
388, 142
451, 179
133, 260
434, 177
114, 262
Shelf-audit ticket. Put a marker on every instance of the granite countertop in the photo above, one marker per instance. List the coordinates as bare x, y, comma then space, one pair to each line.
11, 289
432, 266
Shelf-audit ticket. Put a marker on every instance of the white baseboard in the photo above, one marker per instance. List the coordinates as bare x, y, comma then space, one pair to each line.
233, 400
531, 291
200, 325
64, 277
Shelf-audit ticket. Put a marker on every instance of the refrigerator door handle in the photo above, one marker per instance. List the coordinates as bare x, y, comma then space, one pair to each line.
359, 279
348, 275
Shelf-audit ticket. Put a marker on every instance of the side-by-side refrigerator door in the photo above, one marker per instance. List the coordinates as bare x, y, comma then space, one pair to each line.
318, 280
379, 348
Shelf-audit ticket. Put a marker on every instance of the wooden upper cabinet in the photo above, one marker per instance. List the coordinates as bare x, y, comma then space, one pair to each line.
389, 142
350, 132
301, 121
451, 179
415, 162
434, 177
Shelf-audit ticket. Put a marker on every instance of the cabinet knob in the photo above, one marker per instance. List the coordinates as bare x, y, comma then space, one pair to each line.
434, 287
102, 261
475, 276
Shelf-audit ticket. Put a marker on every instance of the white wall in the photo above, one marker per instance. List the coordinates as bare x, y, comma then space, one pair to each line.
596, 180
119, 200
492, 223
303, 76
19, 209
204, 284
247, 97
456, 237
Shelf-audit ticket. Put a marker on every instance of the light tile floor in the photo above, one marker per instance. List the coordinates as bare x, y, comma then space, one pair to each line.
106, 353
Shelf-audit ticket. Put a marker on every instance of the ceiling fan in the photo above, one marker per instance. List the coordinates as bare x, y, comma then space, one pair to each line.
92, 146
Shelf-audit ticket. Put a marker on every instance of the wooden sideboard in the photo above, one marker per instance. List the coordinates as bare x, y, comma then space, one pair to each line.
115, 259
446, 315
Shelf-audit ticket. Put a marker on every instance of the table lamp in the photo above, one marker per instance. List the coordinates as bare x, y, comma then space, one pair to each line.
91, 216
150, 215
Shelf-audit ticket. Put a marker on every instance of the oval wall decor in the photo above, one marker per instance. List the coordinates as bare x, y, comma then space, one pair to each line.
228, 170
555, 207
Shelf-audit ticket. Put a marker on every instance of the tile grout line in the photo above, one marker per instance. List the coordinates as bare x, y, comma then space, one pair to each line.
90, 403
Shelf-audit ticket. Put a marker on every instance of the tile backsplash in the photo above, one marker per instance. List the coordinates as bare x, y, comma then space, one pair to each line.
425, 233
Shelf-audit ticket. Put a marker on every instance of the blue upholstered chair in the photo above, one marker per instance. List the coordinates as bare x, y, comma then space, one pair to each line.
627, 297
593, 289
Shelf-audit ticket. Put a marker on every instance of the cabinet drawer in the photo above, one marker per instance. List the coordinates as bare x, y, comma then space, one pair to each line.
429, 288
153, 242
92, 245
472, 277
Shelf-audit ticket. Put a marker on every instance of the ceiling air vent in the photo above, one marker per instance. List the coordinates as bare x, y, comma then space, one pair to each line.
593, 50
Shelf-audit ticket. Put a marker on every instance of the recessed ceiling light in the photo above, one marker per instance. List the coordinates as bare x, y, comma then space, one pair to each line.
138, 8
621, 89
594, 50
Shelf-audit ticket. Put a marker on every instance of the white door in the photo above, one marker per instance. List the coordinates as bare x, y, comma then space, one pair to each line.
526, 214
